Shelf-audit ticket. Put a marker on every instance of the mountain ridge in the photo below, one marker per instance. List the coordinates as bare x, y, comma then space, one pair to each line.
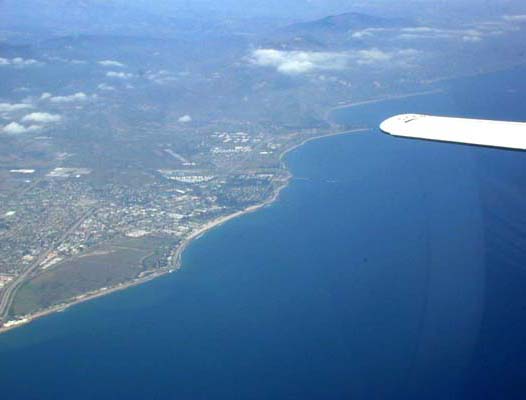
341, 23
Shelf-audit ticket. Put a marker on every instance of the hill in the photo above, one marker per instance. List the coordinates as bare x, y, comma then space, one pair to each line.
344, 23
330, 32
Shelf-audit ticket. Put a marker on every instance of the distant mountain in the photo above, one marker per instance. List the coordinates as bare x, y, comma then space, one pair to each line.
329, 32
345, 23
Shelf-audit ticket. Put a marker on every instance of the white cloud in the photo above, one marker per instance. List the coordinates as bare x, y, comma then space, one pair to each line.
367, 33
106, 87
401, 57
469, 34
21, 62
472, 35
79, 96
14, 128
414, 32
45, 96
185, 119
111, 63
362, 34
42, 117
471, 39
420, 29
160, 77
372, 56
515, 18
7, 107
299, 62
119, 75
18, 62
430, 33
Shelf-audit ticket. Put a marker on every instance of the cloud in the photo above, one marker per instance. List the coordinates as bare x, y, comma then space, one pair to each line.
160, 77
436, 33
299, 62
367, 33
67, 60
469, 34
8, 108
185, 119
119, 75
18, 62
111, 63
42, 117
14, 128
401, 57
362, 34
79, 96
106, 87
515, 18
471, 39
421, 29
372, 56
373, 32
45, 96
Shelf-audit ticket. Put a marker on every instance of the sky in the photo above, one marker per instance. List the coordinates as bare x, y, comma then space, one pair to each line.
318, 8
20, 14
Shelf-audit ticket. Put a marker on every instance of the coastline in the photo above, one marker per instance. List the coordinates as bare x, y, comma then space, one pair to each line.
27, 319
382, 99
312, 138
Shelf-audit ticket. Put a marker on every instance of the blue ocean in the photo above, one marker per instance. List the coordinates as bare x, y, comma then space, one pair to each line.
388, 269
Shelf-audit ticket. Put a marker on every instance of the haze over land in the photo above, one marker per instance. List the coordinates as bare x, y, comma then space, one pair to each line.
127, 129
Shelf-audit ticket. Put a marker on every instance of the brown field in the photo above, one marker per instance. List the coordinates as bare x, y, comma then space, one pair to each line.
105, 266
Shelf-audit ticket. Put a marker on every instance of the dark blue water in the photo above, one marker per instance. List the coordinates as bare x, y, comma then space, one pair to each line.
388, 269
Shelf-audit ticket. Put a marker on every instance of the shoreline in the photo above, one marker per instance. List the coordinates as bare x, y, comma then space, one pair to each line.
27, 319
312, 138
382, 99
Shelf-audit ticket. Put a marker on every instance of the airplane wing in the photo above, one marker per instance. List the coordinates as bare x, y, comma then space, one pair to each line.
502, 134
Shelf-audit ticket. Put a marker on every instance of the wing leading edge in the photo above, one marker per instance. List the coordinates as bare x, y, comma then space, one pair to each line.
479, 132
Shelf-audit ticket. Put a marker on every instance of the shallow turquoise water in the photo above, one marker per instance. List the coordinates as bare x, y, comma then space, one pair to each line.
387, 269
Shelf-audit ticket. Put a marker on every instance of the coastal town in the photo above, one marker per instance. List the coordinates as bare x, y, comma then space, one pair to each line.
61, 221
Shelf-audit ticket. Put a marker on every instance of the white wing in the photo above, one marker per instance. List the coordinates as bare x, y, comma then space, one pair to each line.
509, 135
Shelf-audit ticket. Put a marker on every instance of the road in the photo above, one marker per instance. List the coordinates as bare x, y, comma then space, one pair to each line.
7, 295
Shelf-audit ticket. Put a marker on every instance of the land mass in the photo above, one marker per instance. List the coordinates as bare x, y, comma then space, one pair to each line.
176, 257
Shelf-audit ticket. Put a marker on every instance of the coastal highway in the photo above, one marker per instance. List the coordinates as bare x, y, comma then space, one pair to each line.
8, 293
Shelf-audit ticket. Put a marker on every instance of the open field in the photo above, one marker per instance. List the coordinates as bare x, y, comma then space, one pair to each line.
104, 267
